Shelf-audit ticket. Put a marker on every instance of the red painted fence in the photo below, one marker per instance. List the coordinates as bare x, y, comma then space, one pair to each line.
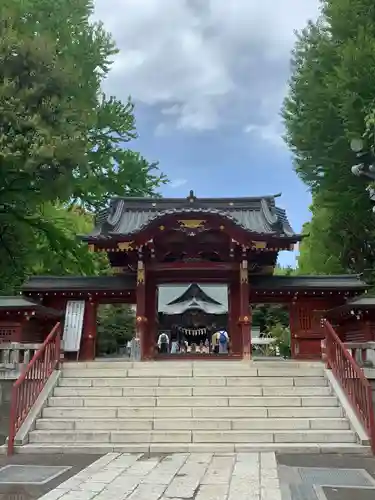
352, 379
30, 383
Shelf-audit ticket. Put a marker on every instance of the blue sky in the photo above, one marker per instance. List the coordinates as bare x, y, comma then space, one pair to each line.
208, 78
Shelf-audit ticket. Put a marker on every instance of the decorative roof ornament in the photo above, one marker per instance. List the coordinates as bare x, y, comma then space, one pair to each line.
191, 198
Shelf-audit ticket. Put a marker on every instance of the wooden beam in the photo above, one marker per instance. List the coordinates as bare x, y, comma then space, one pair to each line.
192, 266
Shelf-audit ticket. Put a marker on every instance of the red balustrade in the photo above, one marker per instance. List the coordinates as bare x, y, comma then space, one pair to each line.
352, 380
30, 383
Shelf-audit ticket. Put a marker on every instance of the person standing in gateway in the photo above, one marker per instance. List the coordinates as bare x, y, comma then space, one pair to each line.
220, 342
223, 342
163, 343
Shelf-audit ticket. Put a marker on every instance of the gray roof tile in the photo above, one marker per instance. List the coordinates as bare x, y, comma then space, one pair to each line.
125, 283
332, 282
127, 216
18, 302
79, 283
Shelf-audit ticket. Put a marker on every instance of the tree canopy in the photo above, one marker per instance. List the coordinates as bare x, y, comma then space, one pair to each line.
331, 94
63, 143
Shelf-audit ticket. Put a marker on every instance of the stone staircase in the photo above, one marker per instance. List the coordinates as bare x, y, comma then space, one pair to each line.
179, 406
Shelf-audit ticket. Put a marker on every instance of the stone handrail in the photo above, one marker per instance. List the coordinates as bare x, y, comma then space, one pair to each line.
362, 352
14, 356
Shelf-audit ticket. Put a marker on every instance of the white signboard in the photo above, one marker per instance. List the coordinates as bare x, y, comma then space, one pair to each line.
75, 310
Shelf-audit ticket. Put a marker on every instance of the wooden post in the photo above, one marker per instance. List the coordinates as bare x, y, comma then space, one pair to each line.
151, 311
141, 318
245, 312
235, 333
88, 341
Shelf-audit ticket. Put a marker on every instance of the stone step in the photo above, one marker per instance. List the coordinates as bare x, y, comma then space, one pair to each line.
95, 448
184, 363
187, 372
192, 391
186, 436
214, 401
197, 412
193, 381
192, 424
282, 436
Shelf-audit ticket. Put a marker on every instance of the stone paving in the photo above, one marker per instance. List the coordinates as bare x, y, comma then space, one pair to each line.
184, 476
326, 477
198, 476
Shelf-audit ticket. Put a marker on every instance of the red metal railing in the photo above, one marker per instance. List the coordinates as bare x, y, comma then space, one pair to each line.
30, 383
352, 380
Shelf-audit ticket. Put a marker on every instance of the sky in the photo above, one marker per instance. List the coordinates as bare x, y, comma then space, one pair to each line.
208, 78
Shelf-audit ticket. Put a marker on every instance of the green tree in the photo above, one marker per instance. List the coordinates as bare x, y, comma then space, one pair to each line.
331, 91
61, 140
116, 325
266, 316
282, 336
41, 142
65, 254
284, 271
112, 169
317, 252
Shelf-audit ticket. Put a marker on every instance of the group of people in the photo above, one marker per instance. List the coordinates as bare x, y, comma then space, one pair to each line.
219, 344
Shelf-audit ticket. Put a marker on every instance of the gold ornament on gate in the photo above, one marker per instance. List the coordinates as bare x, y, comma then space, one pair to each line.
140, 275
192, 223
260, 245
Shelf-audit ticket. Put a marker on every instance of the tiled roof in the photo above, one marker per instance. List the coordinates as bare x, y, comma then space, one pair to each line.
195, 292
333, 282
18, 302
126, 283
127, 216
358, 304
79, 283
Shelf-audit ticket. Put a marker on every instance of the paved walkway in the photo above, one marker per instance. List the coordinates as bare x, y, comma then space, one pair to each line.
200, 476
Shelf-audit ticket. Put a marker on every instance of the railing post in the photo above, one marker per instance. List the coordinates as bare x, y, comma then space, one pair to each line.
12, 421
58, 348
371, 413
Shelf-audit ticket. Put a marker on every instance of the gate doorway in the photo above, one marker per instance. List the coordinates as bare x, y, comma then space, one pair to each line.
270, 332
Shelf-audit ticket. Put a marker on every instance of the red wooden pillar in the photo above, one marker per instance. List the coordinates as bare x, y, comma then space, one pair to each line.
141, 318
233, 315
245, 311
151, 311
88, 341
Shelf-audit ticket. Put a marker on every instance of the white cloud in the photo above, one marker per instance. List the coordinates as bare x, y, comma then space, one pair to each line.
270, 133
176, 183
202, 63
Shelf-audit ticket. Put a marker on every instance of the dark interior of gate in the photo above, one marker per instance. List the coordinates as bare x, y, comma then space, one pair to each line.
194, 243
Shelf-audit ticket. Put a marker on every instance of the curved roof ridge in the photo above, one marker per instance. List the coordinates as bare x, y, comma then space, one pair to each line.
185, 296
127, 216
